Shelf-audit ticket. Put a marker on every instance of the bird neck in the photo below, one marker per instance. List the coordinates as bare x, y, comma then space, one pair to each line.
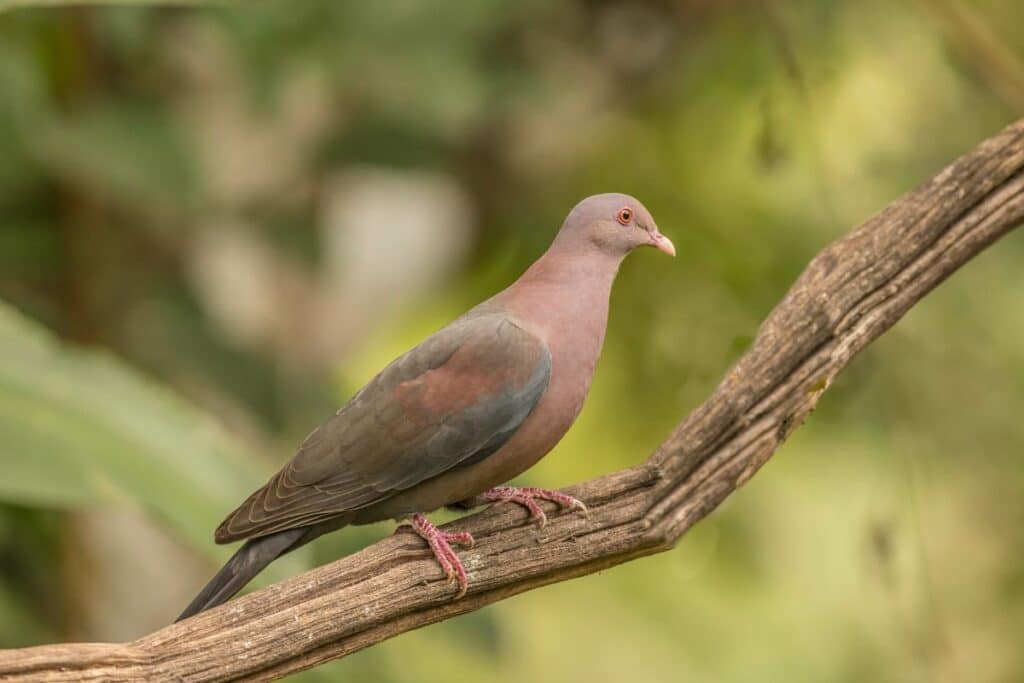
567, 290
572, 264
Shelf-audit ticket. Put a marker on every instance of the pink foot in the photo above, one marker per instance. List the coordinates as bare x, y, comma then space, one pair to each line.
440, 543
527, 496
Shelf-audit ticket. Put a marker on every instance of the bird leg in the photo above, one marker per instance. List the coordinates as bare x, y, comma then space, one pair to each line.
527, 496
440, 543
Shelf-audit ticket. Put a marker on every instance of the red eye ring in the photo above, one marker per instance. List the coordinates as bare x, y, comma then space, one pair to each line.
625, 215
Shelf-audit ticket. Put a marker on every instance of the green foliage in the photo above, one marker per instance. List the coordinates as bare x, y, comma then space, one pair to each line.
8, 5
78, 427
148, 171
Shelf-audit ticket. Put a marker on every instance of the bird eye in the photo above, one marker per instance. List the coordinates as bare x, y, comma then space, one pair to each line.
625, 216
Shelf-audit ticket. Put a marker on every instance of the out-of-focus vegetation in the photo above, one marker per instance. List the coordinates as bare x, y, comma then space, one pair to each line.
228, 217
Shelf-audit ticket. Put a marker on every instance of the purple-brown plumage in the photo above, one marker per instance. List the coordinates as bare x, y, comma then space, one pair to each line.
470, 408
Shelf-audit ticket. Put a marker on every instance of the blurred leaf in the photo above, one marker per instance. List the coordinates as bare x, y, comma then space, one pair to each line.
79, 427
125, 152
19, 626
6, 5
24, 104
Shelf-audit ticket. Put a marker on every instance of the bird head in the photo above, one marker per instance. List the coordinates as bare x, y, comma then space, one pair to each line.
615, 224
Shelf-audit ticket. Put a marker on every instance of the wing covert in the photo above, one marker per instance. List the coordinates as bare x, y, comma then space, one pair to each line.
453, 400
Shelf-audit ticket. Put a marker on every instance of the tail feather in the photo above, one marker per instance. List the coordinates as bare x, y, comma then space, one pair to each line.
245, 564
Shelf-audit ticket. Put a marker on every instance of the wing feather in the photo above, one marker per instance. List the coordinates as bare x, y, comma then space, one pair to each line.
453, 400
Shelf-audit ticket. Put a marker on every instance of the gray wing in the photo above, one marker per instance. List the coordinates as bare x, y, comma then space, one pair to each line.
453, 400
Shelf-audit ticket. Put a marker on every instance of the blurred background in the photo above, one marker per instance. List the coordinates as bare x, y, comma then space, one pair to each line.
217, 222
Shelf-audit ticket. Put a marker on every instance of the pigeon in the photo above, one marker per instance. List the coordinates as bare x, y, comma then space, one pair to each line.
452, 421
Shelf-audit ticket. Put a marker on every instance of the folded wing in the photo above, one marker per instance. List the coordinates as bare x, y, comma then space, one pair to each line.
451, 401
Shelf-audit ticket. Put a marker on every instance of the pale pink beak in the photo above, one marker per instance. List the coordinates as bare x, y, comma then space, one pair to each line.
662, 243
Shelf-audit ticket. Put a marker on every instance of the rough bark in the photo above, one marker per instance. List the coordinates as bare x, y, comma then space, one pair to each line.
848, 295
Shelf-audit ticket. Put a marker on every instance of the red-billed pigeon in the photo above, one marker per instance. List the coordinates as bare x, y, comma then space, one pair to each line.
467, 410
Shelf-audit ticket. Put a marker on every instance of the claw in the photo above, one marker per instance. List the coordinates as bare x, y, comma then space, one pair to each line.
581, 507
440, 544
527, 496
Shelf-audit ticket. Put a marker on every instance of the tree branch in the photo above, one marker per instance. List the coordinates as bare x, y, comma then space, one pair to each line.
852, 292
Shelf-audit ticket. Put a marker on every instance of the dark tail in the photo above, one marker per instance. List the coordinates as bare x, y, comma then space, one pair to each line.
249, 561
